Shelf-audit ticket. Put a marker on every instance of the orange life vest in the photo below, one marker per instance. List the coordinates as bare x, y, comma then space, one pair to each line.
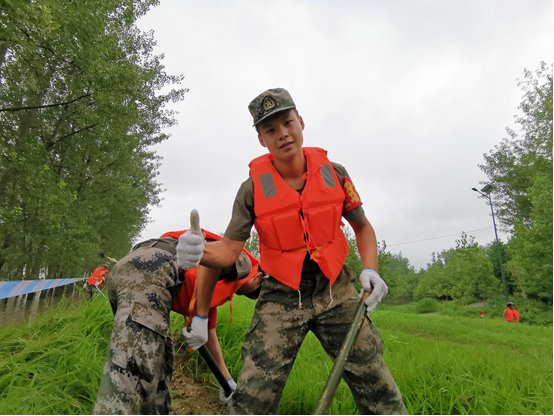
510, 314
99, 275
290, 224
185, 301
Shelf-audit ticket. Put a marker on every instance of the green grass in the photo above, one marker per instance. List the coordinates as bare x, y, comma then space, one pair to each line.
532, 312
442, 364
53, 365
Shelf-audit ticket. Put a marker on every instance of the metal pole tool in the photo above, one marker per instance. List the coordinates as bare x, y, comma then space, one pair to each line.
328, 393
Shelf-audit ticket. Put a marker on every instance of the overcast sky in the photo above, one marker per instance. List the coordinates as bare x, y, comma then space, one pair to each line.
407, 95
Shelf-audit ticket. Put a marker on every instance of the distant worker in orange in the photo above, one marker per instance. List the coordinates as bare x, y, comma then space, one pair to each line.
510, 314
96, 280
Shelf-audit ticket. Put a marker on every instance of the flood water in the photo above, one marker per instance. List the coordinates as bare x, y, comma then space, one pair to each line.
20, 309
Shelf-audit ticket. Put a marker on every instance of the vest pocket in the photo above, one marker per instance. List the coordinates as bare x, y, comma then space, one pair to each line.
267, 233
150, 318
323, 223
289, 230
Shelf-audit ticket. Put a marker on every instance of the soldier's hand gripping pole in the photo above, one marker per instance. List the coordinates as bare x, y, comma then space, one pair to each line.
326, 398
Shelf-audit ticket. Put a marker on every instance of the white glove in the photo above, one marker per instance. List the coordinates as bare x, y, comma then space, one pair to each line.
372, 281
198, 334
190, 247
227, 399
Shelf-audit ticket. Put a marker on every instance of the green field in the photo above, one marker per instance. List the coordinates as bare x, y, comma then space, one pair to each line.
442, 364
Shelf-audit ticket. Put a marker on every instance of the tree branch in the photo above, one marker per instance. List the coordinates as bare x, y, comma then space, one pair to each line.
70, 134
45, 106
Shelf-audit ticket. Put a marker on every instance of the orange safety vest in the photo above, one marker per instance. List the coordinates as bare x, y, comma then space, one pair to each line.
510, 313
185, 301
98, 275
290, 224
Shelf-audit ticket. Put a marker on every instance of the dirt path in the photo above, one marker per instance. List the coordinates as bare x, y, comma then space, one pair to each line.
190, 396
480, 303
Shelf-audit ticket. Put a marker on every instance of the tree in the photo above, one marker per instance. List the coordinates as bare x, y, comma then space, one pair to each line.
531, 247
253, 244
80, 109
513, 165
492, 254
466, 274
521, 172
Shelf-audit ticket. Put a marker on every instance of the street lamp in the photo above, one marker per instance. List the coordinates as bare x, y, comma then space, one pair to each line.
487, 193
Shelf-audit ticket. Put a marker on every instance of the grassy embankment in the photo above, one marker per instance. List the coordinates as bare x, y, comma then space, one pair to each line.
442, 364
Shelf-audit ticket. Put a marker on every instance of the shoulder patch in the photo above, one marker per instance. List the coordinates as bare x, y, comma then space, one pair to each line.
352, 197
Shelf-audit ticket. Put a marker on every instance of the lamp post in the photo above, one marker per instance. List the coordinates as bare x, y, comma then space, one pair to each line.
487, 193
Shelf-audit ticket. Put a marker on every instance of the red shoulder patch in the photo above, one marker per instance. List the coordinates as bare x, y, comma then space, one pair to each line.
352, 197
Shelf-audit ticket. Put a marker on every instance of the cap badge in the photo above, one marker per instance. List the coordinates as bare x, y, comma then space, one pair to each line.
268, 103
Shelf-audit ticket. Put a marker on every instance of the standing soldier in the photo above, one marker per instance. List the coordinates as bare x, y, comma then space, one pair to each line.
296, 197
510, 314
96, 280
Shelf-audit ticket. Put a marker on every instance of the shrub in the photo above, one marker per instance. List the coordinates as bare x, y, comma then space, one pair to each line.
427, 305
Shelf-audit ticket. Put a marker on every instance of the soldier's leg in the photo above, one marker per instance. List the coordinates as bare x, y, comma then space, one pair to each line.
369, 379
88, 292
138, 370
270, 347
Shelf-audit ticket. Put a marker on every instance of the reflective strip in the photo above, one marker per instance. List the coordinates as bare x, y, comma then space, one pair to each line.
327, 174
268, 186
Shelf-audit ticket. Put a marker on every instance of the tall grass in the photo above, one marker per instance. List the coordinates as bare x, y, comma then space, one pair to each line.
442, 364
53, 365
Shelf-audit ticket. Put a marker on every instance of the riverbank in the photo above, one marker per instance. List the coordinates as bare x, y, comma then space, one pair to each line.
442, 364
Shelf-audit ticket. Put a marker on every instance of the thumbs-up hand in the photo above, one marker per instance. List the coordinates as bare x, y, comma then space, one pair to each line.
190, 247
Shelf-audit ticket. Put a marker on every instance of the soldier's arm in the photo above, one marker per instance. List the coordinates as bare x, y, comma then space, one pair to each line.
223, 253
366, 242
205, 285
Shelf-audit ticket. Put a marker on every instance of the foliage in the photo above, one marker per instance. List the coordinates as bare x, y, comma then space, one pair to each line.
466, 274
492, 254
253, 244
531, 248
513, 165
427, 305
521, 170
79, 112
400, 262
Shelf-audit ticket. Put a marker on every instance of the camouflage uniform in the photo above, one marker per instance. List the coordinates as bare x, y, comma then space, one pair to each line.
282, 320
139, 367
89, 290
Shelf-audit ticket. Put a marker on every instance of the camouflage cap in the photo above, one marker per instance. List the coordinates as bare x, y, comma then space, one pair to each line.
270, 102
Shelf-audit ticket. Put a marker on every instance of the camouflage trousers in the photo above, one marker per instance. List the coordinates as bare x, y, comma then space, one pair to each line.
89, 290
282, 319
139, 367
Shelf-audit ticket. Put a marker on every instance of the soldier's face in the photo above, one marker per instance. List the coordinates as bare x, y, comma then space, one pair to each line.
251, 286
282, 134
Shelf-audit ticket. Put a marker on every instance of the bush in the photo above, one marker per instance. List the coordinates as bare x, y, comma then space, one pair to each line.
427, 305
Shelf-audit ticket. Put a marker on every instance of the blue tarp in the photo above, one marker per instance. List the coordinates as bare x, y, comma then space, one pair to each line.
23, 287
